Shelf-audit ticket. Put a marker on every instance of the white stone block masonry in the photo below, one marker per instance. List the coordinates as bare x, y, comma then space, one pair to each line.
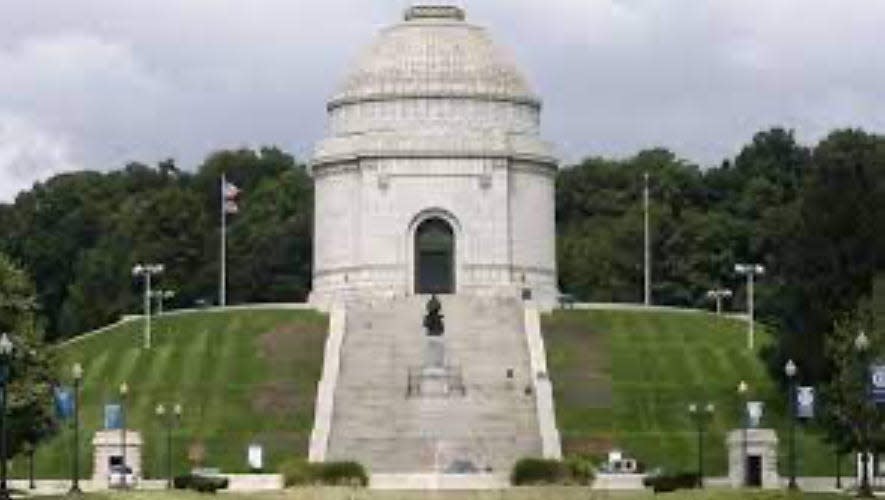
494, 424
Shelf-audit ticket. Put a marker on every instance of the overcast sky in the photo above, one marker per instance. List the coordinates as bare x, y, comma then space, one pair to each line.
96, 83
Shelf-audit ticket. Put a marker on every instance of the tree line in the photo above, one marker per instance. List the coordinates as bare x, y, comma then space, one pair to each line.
813, 215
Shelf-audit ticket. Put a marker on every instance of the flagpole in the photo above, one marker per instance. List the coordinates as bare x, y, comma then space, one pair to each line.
222, 285
647, 244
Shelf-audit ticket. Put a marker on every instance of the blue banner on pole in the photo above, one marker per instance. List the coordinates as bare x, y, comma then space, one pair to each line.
805, 402
113, 416
877, 383
64, 402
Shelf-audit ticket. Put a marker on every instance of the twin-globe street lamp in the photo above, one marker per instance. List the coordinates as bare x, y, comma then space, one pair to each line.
718, 295
161, 296
701, 416
147, 271
169, 419
751, 271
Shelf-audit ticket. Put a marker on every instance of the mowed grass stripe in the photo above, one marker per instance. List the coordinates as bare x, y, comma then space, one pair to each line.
224, 373
211, 363
659, 363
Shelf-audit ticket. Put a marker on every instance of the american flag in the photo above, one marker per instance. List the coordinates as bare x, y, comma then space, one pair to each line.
229, 193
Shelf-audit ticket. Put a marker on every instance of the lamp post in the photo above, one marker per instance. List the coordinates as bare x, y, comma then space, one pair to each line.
790, 371
750, 270
124, 392
147, 271
6, 348
862, 345
718, 294
742, 392
77, 374
29, 450
700, 416
169, 419
162, 295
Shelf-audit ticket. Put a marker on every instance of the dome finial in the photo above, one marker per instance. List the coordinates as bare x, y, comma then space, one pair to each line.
434, 12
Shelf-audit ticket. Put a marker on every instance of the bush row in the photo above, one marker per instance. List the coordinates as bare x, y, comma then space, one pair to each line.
203, 484
299, 472
671, 482
572, 470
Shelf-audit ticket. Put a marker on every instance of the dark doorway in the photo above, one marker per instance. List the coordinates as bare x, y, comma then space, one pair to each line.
754, 471
434, 257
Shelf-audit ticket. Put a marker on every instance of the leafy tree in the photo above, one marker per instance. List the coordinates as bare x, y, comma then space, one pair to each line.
276, 223
831, 259
29, 414
851, 419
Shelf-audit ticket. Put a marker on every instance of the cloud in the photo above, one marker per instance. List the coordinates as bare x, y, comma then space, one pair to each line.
28, 153
150, 79
85, 100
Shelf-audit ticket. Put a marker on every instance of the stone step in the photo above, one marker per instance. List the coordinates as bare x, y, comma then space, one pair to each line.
375, 423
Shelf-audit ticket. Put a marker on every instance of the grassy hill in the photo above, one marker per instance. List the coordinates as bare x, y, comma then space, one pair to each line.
621, 379
242, 376
625, 379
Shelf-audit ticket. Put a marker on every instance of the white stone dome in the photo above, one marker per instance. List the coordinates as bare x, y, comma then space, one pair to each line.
434, 53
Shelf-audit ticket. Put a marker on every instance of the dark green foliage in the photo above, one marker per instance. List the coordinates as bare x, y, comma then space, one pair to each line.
341, 474
32, 366
529, 471
664, 483
79, 234
202, 484
581, 468
299, 472
852, 419
812, 215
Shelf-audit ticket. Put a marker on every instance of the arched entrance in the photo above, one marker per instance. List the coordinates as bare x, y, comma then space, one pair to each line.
434, 257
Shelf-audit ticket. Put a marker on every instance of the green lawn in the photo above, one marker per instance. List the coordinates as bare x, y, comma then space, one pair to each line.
528, 493
625, 379
242, 376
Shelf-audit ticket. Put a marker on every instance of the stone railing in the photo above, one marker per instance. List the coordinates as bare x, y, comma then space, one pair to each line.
550, 441
325, 401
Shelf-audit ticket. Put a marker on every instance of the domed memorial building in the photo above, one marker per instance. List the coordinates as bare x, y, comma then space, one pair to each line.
433, 177
433, 180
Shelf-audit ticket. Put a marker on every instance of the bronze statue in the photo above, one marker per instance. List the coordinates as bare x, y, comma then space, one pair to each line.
433, 320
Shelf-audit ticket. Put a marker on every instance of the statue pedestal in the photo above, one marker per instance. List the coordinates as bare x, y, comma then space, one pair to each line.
434, 353
436, 377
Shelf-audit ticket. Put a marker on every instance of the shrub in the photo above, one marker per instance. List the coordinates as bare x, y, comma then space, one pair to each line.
341, 474
298, 472
182, 482
538, 471
671, 482
581, 469
202, 484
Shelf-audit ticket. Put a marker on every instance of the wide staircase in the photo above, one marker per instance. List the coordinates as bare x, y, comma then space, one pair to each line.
382, 421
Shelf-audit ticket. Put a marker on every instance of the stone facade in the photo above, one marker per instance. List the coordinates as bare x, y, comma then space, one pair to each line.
760, 444
435, 121
109, 443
